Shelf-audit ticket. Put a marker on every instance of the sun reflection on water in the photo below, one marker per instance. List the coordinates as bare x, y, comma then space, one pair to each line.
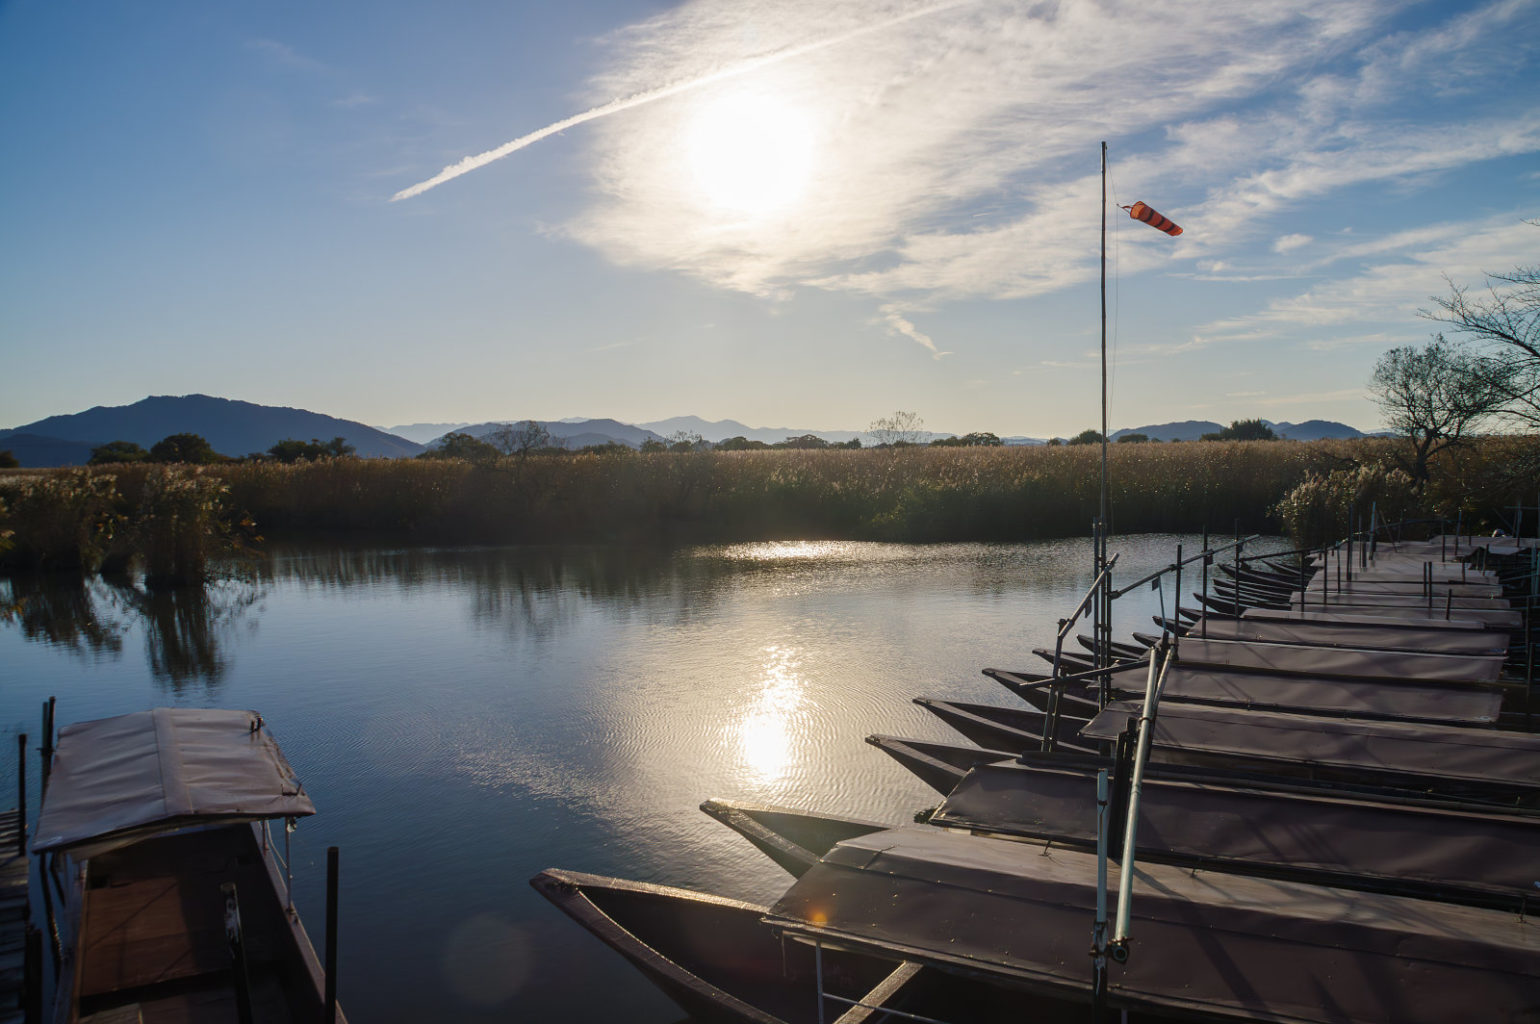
765, 736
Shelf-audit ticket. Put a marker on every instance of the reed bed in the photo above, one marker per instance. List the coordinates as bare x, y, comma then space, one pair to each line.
905, 494
177, 517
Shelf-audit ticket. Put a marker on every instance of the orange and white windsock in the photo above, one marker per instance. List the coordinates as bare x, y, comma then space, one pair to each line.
1139, 211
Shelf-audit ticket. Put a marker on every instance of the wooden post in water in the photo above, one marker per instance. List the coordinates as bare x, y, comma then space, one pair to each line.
21, 795
1202, 605
329, 1014
45, 751
1176, 638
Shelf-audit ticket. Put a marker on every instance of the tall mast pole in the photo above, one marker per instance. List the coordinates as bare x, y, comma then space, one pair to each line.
1103, 507
1103, 626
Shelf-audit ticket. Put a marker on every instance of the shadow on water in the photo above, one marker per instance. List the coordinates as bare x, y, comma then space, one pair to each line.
184, 628
64, 611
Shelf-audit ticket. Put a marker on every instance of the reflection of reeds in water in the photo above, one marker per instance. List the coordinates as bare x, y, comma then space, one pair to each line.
184, 628
62, 610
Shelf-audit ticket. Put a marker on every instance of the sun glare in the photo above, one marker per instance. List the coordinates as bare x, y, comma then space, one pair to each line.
751, 154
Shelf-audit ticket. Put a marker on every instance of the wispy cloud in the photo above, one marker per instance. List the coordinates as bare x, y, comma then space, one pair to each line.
956, 156
690, 83
285, 55
897, 323
954, 145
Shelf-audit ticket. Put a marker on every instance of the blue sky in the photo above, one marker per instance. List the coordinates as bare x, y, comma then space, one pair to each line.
787, 213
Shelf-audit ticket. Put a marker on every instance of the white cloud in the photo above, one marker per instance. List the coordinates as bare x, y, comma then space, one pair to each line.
1395, 290
897, 323
954, 144
957, 151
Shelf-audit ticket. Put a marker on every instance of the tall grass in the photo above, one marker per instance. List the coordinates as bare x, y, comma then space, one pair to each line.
906, 494
167, 522
185, 515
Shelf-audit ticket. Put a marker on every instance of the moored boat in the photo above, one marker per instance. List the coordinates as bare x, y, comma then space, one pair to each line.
176, 904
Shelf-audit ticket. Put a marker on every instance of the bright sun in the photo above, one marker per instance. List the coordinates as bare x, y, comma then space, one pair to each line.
751, 154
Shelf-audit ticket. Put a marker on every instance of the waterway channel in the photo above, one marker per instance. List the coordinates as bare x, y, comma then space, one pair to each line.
464, 718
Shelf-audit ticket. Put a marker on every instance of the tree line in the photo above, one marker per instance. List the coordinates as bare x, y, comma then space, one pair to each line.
194, 449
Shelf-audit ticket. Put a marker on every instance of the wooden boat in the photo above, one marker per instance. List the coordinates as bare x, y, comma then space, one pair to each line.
1380, 699
1382, 636
793, 839
1485, 765
1013, 729
1206, 945
1374, 842
176, 906
721, 961
939, 765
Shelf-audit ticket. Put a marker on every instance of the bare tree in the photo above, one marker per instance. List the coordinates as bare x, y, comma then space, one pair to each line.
1437, 394
899, 428
1504, 322
520, 439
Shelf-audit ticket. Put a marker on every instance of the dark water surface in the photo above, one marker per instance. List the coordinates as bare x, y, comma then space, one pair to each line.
465, 718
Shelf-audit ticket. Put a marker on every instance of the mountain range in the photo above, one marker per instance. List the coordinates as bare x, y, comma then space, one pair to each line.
238, 428
231, 427
1193, 430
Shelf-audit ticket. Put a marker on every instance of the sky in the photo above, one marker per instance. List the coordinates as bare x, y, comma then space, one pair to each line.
787, 212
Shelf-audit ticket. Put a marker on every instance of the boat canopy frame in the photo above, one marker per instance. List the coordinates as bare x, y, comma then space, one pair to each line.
116, 781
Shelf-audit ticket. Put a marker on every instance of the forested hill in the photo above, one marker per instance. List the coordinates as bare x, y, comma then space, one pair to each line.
231, 427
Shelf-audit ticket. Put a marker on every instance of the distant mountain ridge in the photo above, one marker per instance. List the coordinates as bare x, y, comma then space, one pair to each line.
1193, 430
232, 427
238, 428
422, 433
578, 434
721, 430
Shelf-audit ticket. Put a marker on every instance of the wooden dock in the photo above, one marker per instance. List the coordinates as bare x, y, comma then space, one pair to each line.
13, 919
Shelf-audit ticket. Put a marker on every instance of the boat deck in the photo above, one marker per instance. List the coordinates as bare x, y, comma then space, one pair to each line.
154, 932
13, 918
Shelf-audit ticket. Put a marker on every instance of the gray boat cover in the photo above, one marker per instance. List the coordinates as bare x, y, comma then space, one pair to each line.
118, 780
1336, 661
1281, 830
1402, 620
1485, 756
1500, 618
1403, 587
1202, 943
1378, 698
1391, 600
1361, 636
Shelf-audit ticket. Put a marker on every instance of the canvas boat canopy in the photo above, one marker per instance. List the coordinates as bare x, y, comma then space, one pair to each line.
1367, 698
1418, 620
1349, 635
118, 780
1203, 943
1351, 841
1337, 661
1412, 608
1486, 758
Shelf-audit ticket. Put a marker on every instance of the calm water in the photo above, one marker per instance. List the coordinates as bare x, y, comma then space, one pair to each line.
465, 718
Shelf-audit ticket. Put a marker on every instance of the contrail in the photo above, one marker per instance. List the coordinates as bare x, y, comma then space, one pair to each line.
470, 163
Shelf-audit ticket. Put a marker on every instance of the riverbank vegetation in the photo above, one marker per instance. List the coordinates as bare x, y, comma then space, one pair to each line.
168, 521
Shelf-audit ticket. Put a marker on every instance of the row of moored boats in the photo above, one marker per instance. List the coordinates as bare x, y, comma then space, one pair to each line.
1334, 817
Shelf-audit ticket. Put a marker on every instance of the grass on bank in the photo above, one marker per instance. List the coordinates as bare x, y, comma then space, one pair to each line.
169, 520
